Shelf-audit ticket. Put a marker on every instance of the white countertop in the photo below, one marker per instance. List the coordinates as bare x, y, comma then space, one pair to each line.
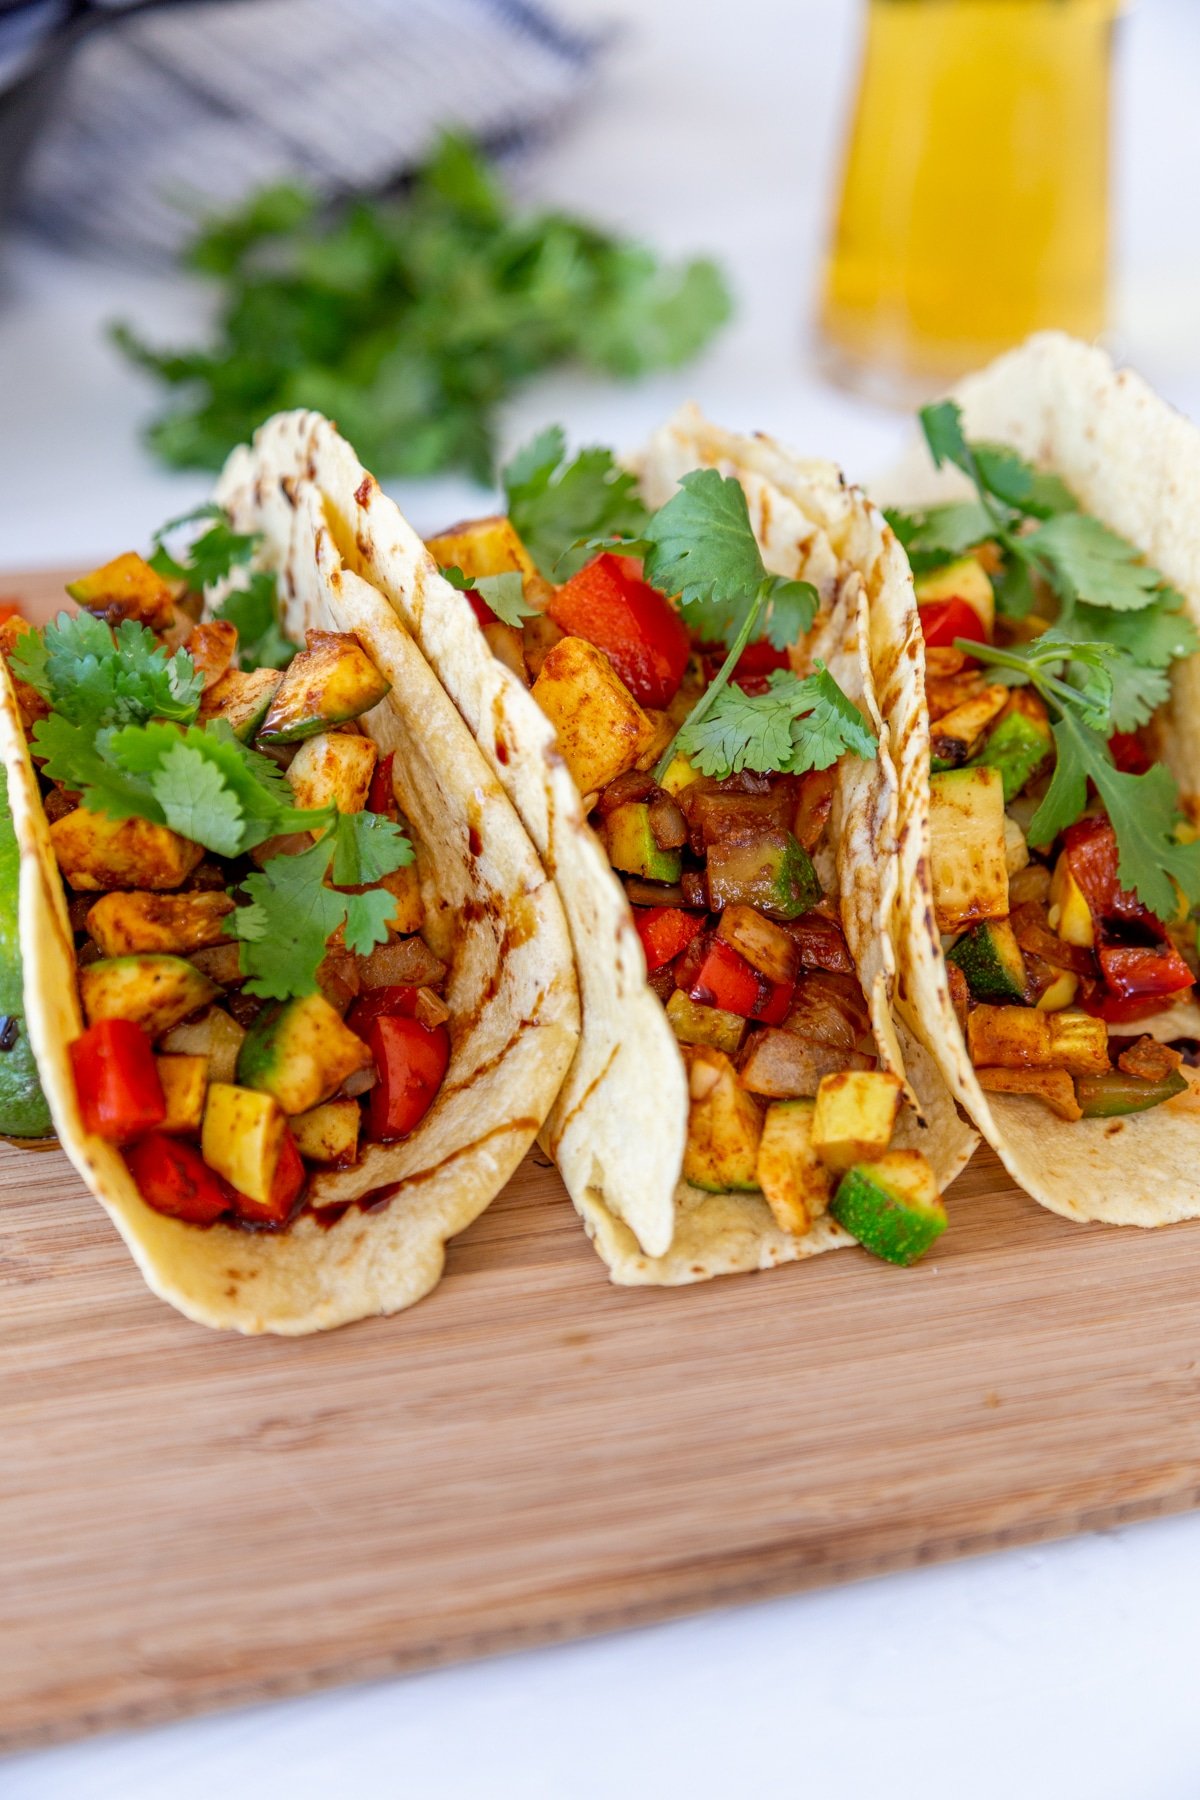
1063, 1671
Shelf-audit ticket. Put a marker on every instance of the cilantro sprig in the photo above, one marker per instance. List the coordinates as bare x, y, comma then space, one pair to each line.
558, 507
220, 554
76, 666
504, 593
794, 726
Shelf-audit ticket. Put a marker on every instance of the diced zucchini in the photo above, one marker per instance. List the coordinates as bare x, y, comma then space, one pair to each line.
769, 872
1060, 993
891, 1205
330, 682
966, 848
333, 766
1114, 1094
1070, 914
300, 1052
1009, 1037
990, 958
724, 1126
694, 1023
1079, 1043
631, 846
242, 698
1017, 745
241, 1138
966, 580
124, 924
795, 1182
96, 852
328, 1133
955, 734
764, 945
212, 646
126, 588
679, 775
184, 1084
491, 546
855, 1116
153, 991
601, 729
215, 1036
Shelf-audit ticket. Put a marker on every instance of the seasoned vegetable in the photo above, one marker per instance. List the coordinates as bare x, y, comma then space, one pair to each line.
665, 931
954, 736
794, 1181
966, 832
333, 680
174, 1178
410, 1062
713, 973
601, 729
679, 775
126, 588
1111, 1095
769, 871
961, 580
116, 1081
724, 1126
124, 924
184, 1081
1054, 1086
891, 1205
1018, 744
212, 647
333, 766
608, 603
1009, 1037
154, 991
328, 1133
242, 698
300, 1052
631, 846
765, 946
990, 958
855, 1116
214, 1035
1079, 1043
242, 1137
695, 1023
1070, 914
94, 851
491, 546
781, 1065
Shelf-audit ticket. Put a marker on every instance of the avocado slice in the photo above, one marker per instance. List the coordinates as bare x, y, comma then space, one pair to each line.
242, 698
990, 958
300, 1053
154, 991
771, 872
1017, 745
891, 1206
724, 1126
631, 846
331, 681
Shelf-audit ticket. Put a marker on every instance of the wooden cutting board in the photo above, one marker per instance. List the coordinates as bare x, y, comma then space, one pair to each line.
188, 1520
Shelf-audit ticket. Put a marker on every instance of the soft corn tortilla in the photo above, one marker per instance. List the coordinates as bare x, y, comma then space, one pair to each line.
1135, 463
618, 1129
493, 915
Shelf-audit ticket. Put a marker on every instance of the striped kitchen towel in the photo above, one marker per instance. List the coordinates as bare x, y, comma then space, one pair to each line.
172, 108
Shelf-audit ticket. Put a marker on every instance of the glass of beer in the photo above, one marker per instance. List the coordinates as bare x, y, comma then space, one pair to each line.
974, 200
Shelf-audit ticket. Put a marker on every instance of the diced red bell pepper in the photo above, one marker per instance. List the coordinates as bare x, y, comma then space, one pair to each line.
286, 1185
665, 931
382, 1003
10, 609
174, 1178
1128, 752
756, 662
480, 607
381, 797
637, 628
944, 620
1090, 847
116, 1080
713, 974
411, 1060
1139, 979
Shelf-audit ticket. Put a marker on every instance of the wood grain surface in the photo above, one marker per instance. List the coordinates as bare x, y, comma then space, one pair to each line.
189, 1519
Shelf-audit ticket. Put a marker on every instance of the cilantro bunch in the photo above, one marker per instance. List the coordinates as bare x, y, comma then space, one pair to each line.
411, 320
218, 554
122, 734
1101, 667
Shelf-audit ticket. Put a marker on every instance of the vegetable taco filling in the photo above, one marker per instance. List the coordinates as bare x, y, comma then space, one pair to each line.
1064, 874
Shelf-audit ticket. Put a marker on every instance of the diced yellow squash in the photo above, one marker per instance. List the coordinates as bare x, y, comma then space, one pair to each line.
966, 847
241, 1138
961, 580
491, 546
1079, 1043
854, 1116
154, 991
1070, 914
242, 698
329, 683
507, 645
1009, 1037
96, 852
724, 1126
328, 1134
693, 1023
212, 646
795, 1182
184, 1084
539, 635
215, 1035
126, 588
333, 766
664, 730
126, 924
955, 734
602, 731
404, 885
1060, 993
301, 1052
679, 774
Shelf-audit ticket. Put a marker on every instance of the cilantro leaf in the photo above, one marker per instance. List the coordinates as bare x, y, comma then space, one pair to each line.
558, 507
253, 610
796, 725
366, 847
92, 676
285, 929
256, 785
367, 918
73, 755
939, 534
1018, 484
211, 556
505, 594
196, 801
1087, 561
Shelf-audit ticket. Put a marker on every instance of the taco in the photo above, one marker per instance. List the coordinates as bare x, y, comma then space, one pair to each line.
738, 1054
309, 993
1041, 689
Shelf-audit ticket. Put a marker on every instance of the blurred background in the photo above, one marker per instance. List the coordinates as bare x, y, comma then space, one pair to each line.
886, 190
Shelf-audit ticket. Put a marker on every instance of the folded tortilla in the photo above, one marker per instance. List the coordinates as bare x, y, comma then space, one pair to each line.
1134, 463
618, 1128
492, 915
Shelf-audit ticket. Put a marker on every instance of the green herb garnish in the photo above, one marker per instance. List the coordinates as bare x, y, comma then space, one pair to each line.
558, 507
215, 555
504, 593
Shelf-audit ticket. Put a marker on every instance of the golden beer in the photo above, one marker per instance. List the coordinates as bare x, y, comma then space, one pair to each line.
974, 203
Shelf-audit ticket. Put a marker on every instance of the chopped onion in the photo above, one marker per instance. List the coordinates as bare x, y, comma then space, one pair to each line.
632, 785
668, 827
829, 1009
431, 1009
782, 1066
408, 962
361, 1081
766, 947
